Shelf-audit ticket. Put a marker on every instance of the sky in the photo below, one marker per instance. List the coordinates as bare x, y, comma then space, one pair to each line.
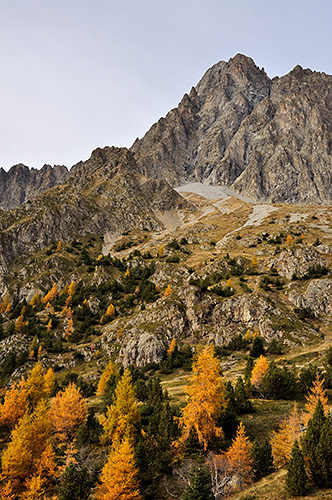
80, 74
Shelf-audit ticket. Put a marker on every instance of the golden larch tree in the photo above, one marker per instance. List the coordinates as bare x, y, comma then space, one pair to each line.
29, 452
316, 392
123, 415
72, 289
229, 283
239, 456
51, 295
289, 240
259, 370
59, 246
168, 291
68, 411
14, 406
111, 369
282, 440
35, 385
171, 347
69, 329
35, 301
110, 311
119, 477
206, 399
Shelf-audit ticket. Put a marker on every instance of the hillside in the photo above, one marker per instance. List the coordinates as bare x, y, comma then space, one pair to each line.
215, 229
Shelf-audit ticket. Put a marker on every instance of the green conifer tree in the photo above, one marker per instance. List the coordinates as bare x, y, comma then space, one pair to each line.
310, 442
200, 484
296, 479
75, 483
262, 459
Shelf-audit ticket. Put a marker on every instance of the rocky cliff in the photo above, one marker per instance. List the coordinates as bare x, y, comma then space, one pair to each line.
21, 183
105, 193
269, 139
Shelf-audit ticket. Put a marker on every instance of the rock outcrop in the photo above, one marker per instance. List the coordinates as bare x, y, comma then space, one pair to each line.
21, 183
268, 139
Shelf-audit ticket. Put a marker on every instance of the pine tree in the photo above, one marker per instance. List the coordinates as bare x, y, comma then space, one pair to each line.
206, 399
119, 477
296, 479
75, 483
51, 295
14, 406
239, 456
257, 346
123, 415
316, 446
72, 289
110, 311
59, 246
200, 484
262, 459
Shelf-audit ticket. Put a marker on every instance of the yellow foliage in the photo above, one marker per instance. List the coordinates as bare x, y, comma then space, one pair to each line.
14, 405
255, 334
110, 369
19, 324
289, 240
49, 381
122, 416
171, 348
49, 325
51, 295
119, 477
110, 311
35, 385
5, 304
72, 288
206, 398
316, 392
69, 329
260, 368
127, 273
168, 291
59, 246
35, 300
160, 252
23, 458
229, 283
248, 336
68, 411
254, 261
239, 457
282, 441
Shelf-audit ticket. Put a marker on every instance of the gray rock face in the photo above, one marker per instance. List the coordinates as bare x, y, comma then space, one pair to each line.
297, 261
105, 193
268, 139
317, 297
20, 183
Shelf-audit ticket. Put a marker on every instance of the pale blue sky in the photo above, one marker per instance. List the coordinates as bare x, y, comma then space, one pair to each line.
79, 74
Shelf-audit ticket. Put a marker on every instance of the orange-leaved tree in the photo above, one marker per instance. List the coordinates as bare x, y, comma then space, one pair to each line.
123, 415
239, 457
29, 453
259, 370
68, 411
282, 440
111, 369
119, 477
50, 295
14, 405
206, 399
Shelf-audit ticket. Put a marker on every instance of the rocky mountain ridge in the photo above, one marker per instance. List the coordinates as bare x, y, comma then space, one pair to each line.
268, 139
21, 183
